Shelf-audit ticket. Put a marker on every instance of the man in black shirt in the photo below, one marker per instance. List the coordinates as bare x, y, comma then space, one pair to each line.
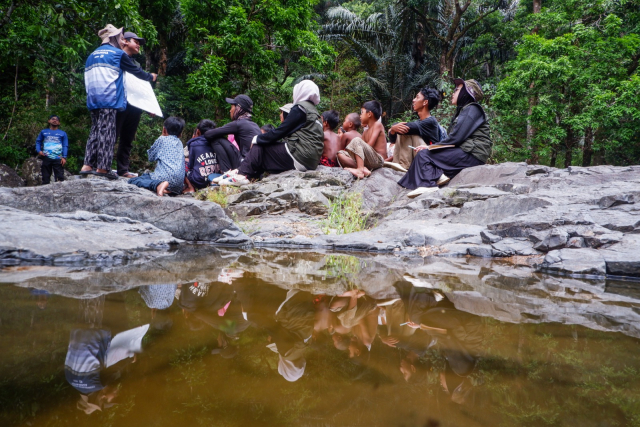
420, 132
127, 121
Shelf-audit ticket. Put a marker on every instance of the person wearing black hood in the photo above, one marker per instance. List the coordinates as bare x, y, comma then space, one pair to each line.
214, 156
469, 144
241, 126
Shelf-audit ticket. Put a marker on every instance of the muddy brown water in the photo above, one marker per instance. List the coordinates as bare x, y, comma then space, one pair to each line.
275, 338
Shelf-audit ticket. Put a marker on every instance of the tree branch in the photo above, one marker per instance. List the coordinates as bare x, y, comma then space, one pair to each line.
7, 16
428, 21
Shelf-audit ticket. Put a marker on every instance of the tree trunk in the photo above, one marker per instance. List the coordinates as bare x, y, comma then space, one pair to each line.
569, 143
587, 150
531, 131
554, 157
162, 63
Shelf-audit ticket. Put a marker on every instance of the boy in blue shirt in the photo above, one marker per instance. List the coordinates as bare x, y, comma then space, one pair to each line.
168, 152
52, 144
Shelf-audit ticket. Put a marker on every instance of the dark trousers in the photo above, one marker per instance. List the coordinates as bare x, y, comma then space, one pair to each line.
127, 122
271, 158
102, 139
145, 181
51, 165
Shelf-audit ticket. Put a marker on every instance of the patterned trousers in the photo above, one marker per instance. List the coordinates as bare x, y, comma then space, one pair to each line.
102, 139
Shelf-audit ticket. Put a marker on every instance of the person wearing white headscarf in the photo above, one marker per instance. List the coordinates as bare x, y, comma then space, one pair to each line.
291, 370
296, 144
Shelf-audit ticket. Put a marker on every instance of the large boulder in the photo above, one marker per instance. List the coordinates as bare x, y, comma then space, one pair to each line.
75, 238
32, 172
185, 218
9, 177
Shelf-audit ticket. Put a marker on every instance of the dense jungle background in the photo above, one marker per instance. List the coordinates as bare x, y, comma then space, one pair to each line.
560, 77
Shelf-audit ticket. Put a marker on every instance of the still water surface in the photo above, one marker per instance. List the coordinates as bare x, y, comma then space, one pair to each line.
230, 340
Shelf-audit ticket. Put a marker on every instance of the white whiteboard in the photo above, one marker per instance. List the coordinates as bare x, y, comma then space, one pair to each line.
140, 94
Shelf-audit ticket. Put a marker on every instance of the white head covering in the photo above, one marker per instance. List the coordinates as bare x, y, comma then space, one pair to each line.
306, 90
291, 370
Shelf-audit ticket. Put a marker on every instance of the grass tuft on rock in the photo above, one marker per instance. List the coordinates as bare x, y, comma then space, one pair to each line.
217, 195
345, 215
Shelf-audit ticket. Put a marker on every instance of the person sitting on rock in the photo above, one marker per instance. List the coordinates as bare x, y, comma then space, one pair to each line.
349, 129
267, 128
469, 144
242, 127
332, 144
296, 144
425, 131
208, 157
365, 154
169, 174
52, 145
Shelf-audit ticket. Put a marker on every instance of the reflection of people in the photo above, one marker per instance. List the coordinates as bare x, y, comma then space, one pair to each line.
288, 317
41, 296
97, 353
159, 299
457, 334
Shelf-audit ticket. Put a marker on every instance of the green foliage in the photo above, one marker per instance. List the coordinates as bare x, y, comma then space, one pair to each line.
578, 86
345, 214
562, 85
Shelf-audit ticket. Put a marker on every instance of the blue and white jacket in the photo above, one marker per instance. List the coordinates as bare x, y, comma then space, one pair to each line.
104, 79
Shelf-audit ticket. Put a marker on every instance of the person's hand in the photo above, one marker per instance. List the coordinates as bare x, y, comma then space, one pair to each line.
155, 76
412, 325
399, 128
41, 153
390, 341
63, 161
422, 147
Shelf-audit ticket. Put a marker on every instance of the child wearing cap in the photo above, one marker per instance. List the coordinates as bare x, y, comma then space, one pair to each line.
52, 145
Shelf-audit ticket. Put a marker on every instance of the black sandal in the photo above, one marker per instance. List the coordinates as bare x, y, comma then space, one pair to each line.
107, 175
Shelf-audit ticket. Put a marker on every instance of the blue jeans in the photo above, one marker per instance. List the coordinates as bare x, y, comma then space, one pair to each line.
145, 181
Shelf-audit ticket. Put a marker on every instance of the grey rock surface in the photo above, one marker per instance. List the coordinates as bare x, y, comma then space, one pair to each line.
185, 218
534, 209
9, 177
28, 238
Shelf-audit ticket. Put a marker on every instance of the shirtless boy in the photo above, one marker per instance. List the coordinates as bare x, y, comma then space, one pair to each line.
350, 128
331, 139
365, 154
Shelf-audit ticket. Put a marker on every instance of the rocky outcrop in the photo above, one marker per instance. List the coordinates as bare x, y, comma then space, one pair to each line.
9, 177
78, 238
558, 216
185, 218
32, 173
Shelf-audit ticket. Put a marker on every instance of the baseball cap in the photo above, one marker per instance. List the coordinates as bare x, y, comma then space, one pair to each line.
54, 115
129, 35
473, 88
287, 108
242, 100
108, 31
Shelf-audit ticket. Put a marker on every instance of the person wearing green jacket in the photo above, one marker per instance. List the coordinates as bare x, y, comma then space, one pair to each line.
296, 144
468, 144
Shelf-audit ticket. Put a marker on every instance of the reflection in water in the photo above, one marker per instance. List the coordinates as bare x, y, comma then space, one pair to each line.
233, 349
100, 352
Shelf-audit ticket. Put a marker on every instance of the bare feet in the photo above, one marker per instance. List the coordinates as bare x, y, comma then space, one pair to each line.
188, 189
161, 190
356, 172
